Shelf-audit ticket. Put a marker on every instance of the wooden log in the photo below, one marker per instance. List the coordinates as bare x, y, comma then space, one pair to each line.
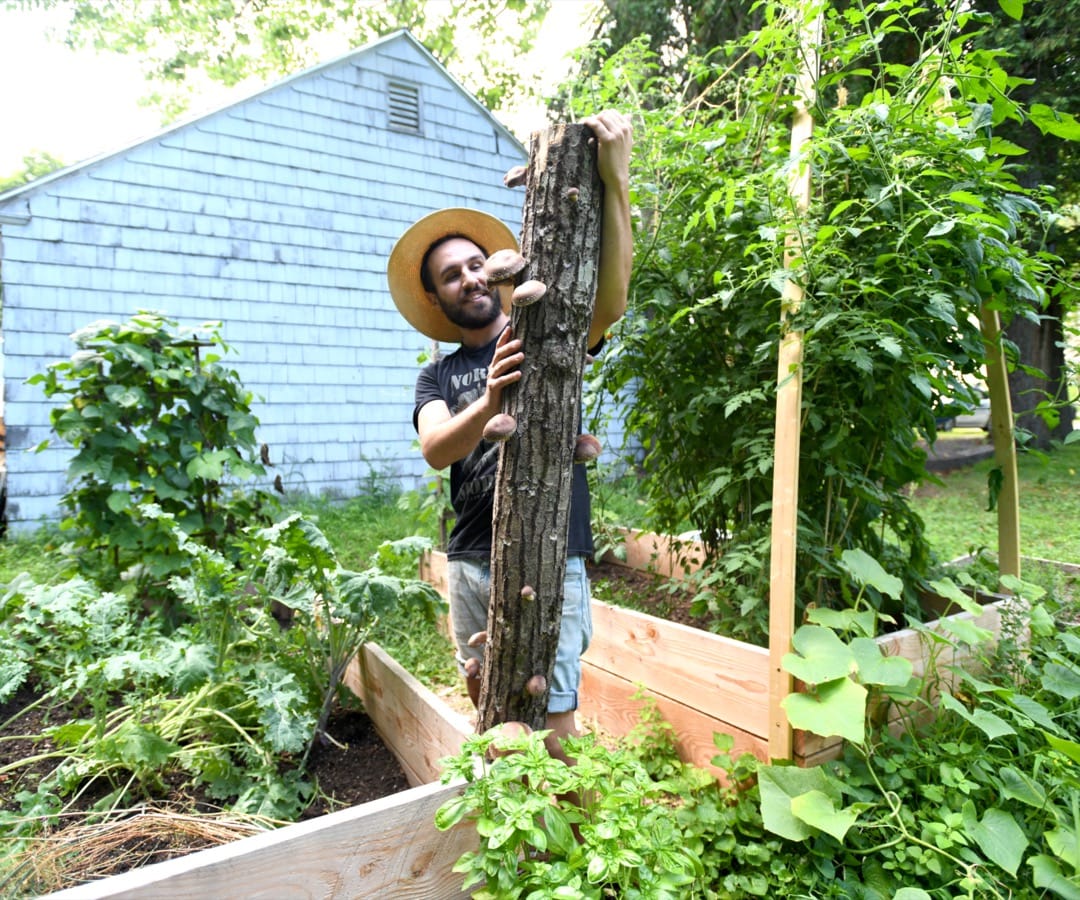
561, 241
386, 848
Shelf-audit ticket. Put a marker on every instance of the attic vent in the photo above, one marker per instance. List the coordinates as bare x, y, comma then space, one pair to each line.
403, 106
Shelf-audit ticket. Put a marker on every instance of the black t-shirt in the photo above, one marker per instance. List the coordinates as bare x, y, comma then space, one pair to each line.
458, 379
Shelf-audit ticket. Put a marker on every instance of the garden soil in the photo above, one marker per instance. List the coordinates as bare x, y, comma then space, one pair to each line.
355, 768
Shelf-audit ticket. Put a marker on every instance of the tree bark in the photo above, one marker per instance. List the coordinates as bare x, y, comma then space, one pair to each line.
1041, 346
561, 241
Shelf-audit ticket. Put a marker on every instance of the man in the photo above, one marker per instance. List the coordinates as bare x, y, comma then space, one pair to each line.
436, 277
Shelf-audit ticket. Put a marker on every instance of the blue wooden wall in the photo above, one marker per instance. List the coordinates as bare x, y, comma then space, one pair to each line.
275, 216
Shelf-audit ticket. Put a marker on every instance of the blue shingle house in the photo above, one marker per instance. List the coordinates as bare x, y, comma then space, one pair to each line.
275, 216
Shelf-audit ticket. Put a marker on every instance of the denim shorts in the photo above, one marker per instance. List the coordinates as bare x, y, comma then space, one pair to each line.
470, 588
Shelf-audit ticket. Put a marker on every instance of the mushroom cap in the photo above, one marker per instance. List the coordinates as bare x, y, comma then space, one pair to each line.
528, 292
586, 448
500, 427
515, 177
503, 265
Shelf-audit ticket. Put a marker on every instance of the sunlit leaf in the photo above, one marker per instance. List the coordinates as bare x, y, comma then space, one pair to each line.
835, 708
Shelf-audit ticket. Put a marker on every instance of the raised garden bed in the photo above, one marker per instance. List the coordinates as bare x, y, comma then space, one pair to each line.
385, 848
702, 683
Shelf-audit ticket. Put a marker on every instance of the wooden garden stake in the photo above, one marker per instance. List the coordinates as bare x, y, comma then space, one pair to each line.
561, 243
1001, 429
785, 508
1001, 425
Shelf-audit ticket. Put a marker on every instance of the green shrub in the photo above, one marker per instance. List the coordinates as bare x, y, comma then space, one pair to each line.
915, 225
154, 418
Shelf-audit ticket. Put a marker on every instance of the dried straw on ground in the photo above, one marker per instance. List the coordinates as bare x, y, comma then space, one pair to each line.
126, 840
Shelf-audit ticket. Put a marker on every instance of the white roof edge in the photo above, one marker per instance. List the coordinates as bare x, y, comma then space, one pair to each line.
403, 33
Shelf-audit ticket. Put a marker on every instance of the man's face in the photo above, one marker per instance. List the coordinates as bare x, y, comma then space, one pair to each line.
457, 272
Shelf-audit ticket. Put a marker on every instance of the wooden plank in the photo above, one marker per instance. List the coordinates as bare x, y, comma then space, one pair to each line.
433, 571
413, 722
785, 494
663, 554
608, 704
721, 677
388, 848
1001, 430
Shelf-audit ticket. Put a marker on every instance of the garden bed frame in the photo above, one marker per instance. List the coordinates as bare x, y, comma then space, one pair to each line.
702, 684
387, 848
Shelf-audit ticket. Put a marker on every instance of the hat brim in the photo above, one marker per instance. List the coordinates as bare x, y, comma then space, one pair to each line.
403, 266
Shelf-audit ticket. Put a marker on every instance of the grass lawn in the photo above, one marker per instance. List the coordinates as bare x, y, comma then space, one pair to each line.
959, 522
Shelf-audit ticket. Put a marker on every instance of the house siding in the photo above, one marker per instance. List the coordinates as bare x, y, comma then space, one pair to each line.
274, 216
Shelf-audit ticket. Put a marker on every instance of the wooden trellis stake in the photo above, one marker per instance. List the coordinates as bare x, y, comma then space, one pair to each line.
785, 504
1001, 429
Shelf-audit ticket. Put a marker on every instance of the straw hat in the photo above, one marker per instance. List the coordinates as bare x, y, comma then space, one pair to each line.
403, 267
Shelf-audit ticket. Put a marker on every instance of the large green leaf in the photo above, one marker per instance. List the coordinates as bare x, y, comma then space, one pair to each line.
998, 836
1047, 875
284, 712
861, 622
1015, 785
818, 810
835, 708
210, 466
950, 590
118, 501
965, 631
820, 655
1069, 748
140, 747
1063, 841
868, 572
1062, 680
874, 667
1052, 121
780, 785
125, 396
989, 724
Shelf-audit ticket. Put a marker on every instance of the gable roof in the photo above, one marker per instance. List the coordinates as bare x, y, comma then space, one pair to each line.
16, 216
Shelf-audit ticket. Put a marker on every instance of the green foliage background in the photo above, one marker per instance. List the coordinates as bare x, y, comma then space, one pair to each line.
915, 226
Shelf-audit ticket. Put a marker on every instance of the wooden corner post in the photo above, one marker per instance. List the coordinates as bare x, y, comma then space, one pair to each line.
785, 504
561, 243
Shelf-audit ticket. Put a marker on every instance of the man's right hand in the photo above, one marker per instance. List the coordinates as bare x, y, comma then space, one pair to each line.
503, 371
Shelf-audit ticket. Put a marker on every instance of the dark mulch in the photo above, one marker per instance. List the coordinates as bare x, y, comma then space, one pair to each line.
362, 769
643, 591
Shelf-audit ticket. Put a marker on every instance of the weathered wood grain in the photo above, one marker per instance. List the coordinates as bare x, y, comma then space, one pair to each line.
388, 849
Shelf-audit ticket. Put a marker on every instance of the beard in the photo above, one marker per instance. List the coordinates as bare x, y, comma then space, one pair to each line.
473, 314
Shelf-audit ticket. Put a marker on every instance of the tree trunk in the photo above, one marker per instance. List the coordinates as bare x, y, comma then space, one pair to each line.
1041, 346
561, 241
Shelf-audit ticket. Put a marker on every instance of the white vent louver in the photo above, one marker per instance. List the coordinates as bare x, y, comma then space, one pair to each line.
403, 106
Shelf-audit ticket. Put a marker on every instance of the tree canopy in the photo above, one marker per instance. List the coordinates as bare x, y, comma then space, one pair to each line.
230, 41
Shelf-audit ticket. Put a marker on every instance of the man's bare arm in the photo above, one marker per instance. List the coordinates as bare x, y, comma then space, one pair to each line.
444, 439
614, 142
